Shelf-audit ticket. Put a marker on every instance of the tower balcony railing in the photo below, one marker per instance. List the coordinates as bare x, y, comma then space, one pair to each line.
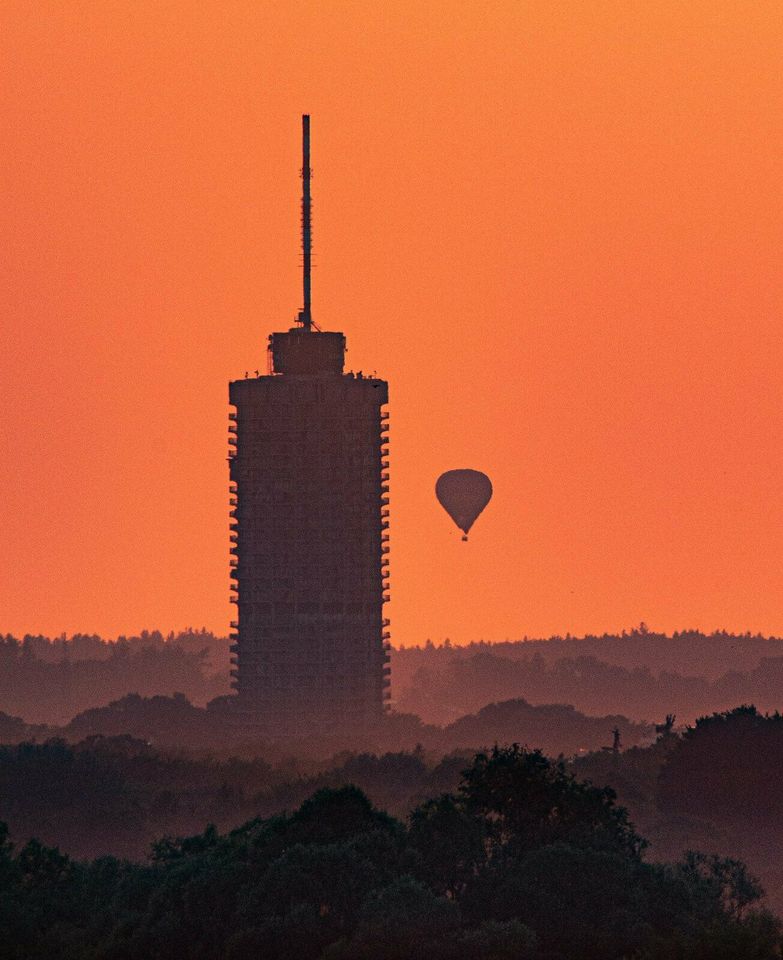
386, 635
385, 549
385, 538
234, 624
385, 622
385, 513
386, 596
233, 648
233, 598
385, 500
233, 672
232, 429
385, 476
232, 416
384, 464
232, 501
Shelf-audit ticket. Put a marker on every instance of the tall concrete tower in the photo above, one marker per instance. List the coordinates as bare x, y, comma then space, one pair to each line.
309, 519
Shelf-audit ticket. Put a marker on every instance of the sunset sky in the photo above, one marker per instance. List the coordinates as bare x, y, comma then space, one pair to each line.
554, 227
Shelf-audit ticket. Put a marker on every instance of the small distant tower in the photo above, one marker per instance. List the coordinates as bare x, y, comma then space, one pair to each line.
308, 448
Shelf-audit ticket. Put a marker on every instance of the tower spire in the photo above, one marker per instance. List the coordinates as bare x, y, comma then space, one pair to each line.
305, 316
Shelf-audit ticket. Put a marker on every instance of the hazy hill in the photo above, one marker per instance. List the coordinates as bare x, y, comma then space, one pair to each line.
639, 674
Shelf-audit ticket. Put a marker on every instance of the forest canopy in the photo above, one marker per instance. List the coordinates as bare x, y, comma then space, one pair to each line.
521, 860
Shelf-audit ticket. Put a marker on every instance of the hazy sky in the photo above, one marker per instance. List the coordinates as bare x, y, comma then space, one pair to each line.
555, 228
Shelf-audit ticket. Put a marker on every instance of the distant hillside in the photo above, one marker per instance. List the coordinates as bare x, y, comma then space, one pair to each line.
49, 680
686, 652
640, 674
173, 723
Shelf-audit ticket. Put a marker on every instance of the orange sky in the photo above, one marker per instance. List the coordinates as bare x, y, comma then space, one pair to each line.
555, 228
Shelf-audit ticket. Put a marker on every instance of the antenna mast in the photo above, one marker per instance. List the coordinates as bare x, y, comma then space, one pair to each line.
305, 317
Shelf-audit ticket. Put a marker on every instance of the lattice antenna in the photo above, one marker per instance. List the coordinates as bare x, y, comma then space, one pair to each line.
306, 317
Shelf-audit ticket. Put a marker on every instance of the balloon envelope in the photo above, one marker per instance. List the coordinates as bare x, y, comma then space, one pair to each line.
463, 494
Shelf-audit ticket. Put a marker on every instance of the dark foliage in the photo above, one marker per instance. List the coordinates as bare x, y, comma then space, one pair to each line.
708, 787
340, 880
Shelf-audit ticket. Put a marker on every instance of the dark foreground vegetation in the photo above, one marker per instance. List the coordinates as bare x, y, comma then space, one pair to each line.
521, 861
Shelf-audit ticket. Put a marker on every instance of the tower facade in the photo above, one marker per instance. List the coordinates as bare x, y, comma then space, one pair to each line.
308, 463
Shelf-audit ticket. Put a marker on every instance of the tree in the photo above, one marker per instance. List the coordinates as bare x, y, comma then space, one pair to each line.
526, 801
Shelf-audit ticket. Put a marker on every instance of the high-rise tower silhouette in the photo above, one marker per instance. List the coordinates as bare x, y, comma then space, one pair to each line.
309, 517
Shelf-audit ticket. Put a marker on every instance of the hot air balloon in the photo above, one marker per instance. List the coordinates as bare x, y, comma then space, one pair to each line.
463, 494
